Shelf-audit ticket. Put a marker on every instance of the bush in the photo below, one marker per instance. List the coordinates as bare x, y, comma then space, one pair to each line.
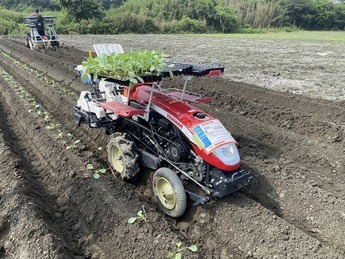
186, 25
132, 23
289, 28
191, 25
250, 30
11, 27
16, 17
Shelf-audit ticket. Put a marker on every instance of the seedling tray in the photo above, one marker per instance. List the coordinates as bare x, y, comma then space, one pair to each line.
176, 70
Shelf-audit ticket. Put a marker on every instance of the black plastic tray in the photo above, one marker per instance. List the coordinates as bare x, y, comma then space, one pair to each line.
177, 69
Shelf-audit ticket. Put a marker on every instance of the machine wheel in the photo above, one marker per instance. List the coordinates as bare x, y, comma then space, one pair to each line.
26, 42
169, 191
55, 44
31, 45
122, 157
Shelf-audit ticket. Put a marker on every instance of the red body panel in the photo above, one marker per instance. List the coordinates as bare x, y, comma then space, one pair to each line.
178, 109
121, 109
182, 115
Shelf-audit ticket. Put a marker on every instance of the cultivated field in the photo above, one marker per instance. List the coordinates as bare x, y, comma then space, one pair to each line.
283, 101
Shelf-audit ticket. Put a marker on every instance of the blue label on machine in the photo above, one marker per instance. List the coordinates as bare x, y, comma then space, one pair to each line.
202, 136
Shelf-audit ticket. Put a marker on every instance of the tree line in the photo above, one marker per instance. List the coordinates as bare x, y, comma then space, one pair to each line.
177, 16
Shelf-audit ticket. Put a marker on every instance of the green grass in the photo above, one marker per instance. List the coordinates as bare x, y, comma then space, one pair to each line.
296, 35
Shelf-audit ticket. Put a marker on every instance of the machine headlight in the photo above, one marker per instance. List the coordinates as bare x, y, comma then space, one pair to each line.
228, 154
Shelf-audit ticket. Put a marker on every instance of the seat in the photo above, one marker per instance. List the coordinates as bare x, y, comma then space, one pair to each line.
107, 48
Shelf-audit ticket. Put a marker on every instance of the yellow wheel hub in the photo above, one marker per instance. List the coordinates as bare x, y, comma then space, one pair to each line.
116, 159
166, 193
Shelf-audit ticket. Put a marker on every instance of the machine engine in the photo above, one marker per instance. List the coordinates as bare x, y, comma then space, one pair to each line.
170, 140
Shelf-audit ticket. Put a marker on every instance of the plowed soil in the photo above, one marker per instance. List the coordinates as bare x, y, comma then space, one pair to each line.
289, 125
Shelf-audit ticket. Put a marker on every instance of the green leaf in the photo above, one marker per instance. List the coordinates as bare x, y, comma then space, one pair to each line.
140, 214
131, 74
102, 171
51, 126
131, 220
170, 254
193, 248
96, 176
72, 146
178, 256
126, 66
84, 76
89, 166
140, 79
133, 80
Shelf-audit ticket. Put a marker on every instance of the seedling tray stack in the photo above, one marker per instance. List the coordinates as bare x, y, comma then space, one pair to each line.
173, 68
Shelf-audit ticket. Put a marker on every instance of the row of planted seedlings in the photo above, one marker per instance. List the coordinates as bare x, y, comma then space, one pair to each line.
40, 75
61, 134
47, 118
180, 247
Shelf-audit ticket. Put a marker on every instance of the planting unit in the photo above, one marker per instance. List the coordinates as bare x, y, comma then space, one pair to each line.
162, 130
42, 33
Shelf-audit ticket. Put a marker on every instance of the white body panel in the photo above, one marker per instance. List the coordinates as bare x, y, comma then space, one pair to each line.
90, 106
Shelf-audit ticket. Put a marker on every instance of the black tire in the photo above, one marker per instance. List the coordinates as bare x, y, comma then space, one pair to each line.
55, 44
26, 42
169, 192
122, 157
31, 45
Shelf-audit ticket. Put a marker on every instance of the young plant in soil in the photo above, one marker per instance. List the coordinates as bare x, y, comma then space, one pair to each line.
96, 173
180, 249
40, 75
74, 145
60, 135
51, 126
140, 215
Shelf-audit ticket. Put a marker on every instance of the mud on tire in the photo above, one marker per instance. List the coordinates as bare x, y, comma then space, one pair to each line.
123, 157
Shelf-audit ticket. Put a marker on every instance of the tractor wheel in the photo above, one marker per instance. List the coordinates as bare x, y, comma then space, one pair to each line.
169, 192
123, 157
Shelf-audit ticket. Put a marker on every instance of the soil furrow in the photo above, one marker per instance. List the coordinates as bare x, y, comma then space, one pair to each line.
293, 145
284, 187
82, 210
28, 204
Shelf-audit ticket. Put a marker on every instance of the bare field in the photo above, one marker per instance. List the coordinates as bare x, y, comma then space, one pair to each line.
283, 101
312, 68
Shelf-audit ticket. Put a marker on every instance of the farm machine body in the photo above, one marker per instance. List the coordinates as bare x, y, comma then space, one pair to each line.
42, 34
161, 130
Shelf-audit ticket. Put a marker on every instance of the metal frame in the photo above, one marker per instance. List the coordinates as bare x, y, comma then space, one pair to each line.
49, 36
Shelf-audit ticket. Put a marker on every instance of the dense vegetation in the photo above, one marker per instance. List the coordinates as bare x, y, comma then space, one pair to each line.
176, 16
